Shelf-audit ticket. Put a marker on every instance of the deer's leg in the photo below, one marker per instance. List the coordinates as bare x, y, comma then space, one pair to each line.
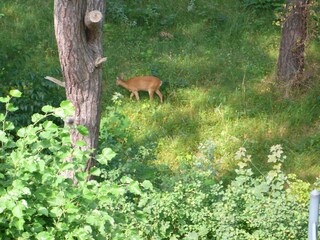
136, 94
160, 95
151, 92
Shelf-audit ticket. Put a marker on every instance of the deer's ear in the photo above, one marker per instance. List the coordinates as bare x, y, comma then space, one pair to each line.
117, 78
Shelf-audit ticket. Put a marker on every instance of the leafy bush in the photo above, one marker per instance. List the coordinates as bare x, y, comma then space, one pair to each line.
38, 202
114, 126
248, 208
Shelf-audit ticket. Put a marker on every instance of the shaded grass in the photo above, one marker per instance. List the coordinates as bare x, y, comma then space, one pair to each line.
27, 54
219, 69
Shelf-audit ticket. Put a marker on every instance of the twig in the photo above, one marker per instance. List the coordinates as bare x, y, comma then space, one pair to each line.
56, 81
99, 61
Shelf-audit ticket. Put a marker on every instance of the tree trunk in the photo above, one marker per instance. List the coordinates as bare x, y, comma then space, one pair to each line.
78, 29
294, 31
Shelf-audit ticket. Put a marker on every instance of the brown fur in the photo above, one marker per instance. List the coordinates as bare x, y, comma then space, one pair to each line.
150, 84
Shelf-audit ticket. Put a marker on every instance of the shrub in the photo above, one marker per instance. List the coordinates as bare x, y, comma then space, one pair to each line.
249, 207
37, 202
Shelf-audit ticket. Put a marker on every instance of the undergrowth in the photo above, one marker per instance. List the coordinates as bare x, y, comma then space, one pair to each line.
38, 202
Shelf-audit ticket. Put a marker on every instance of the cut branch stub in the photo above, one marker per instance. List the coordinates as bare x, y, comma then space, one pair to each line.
92, 19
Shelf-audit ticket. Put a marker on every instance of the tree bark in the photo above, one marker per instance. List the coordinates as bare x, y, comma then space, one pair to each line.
78, 29
294, 32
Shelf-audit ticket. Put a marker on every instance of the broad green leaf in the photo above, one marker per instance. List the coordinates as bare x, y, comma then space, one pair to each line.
71, 208
83, 233
67, 107
59, 113
8, 203
37, 117
81, 176
43, 211
92, 218
81, 143
63, 226
83, 130
66, 104
117, 191
44, 236
2, 117
5, 99
135, 236
3, 137
135, 188
57, 200
18, 184
66, 140
147, 184
261, 188
203, 231
22, 132
50, 126
36, 228
11, 108
88, 194
95, 171
2, 208
126, 179
47, 109
15, 93
192, 236
68, 166
109, 218
18, 223
8, 126
30, 167
26, 191
46, 136
56, 212
17, 211
41, 163
106, 155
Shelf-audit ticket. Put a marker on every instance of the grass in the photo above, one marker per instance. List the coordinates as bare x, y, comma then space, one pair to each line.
218, 70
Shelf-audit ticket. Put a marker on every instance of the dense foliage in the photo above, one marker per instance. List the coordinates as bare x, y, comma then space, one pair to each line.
37, 202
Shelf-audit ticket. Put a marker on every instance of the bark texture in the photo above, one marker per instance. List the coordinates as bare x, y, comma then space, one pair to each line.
294, 33
78, 29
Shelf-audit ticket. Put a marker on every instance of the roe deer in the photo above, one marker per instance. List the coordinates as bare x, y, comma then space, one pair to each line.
150, 84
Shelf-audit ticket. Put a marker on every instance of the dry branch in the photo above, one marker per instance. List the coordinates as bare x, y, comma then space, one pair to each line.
99, 61
56, 81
